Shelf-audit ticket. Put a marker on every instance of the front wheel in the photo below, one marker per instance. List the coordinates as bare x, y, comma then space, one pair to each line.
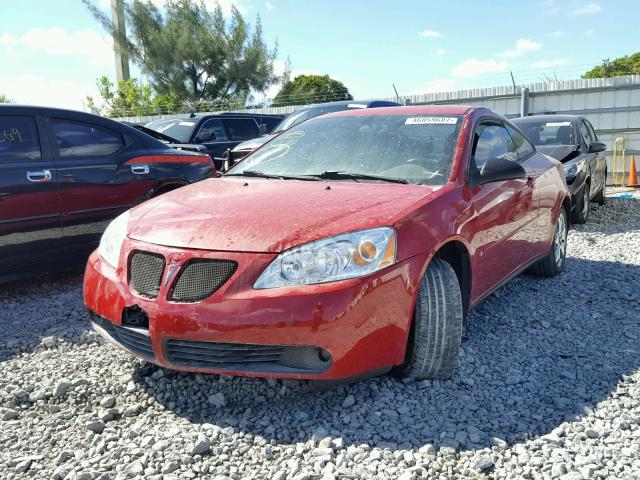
601, 195
583, 205
553, 263
434, 341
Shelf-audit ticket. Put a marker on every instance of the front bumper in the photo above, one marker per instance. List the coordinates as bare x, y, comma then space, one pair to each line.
353, 326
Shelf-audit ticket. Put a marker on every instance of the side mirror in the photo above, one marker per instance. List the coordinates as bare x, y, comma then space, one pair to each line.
596, 147
263, 129
205, 137
499, 169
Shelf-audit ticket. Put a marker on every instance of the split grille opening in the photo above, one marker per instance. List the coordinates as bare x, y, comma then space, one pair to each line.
145, 273
197, 279
200, 278
247, 357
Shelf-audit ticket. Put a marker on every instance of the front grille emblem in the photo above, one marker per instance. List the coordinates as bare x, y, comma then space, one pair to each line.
171, 271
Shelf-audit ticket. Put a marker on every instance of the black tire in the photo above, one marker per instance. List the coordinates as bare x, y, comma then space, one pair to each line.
583, 206
601, 196
553, 263
434, 341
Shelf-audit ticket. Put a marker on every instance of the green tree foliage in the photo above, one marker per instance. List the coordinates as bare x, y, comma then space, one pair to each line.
130, 99
627, 65
189, 52
5, 99
305, 89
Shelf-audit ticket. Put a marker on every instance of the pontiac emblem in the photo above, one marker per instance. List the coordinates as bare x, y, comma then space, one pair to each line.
171, 271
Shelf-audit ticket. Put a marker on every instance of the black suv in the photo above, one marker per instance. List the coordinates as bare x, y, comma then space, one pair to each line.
218, 133
64, 175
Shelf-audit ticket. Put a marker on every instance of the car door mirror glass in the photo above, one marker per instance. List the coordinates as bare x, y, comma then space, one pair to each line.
205, 137
596, 147
498, 169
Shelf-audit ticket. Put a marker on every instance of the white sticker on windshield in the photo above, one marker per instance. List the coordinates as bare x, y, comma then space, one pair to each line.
187, 124
558, 124
431, 121
356, 105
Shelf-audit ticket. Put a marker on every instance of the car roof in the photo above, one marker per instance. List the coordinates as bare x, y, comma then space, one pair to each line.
40, 110
408, 110
546, 118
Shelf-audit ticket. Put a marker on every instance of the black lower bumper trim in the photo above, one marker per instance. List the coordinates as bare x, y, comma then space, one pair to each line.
135, 340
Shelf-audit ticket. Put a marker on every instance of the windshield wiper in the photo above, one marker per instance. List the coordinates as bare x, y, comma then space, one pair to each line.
257, 174
336, 175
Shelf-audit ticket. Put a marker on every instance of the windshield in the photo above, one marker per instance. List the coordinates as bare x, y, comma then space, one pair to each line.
178, 128
549, 133
415, 148
303, 114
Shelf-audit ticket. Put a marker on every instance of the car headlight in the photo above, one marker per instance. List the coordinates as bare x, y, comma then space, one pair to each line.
571, 169
335, 258
112, 238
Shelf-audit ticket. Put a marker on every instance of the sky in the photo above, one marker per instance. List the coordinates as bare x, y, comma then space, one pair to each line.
53, 51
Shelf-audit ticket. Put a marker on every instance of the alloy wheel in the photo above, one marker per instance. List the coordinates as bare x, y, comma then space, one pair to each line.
560, 239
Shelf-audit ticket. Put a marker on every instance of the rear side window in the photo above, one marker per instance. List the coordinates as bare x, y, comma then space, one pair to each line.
522, 145
241, 128
18, 139
80, 139
492, 141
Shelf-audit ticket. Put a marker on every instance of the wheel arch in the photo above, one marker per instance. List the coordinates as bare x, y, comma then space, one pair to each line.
456, 254
167, 186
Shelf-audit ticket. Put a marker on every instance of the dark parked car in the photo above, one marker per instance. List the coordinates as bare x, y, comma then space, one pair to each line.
64, 175
217, 133
572, 140
300, 115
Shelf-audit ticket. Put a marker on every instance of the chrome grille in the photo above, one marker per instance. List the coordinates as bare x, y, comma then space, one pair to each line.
200, 278
145, 273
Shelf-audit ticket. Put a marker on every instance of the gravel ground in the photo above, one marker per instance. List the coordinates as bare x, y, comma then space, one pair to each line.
547, 386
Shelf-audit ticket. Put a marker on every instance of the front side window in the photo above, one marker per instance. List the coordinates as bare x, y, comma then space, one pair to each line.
212, 131
18, 139
241, 129
491, 141
80, 139
584, 131
413, 148
592, 132
522, 145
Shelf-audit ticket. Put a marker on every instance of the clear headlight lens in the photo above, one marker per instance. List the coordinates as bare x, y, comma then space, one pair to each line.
335, 258
112, 238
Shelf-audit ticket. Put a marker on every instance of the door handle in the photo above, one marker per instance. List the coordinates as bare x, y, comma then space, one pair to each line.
142, 169
41, 176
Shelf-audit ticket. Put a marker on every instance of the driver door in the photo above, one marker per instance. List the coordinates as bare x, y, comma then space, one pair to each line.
503, 223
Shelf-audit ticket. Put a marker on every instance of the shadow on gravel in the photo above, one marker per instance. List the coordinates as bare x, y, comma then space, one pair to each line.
614, 217
48, 305
538, 353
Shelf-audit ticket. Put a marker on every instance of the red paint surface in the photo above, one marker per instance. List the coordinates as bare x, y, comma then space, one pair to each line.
364, 323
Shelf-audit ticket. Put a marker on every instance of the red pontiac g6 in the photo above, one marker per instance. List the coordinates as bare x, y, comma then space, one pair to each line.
351, 244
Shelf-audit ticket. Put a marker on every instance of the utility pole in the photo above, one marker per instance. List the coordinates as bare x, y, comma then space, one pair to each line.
122, 60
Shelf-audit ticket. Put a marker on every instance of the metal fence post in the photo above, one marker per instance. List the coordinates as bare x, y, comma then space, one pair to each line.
524, 102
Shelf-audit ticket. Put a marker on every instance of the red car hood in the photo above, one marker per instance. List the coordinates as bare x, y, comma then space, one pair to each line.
257, 215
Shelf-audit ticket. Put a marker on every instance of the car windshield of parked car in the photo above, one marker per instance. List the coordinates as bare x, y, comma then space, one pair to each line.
549, 132
411, 148
306, 113
179, 128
